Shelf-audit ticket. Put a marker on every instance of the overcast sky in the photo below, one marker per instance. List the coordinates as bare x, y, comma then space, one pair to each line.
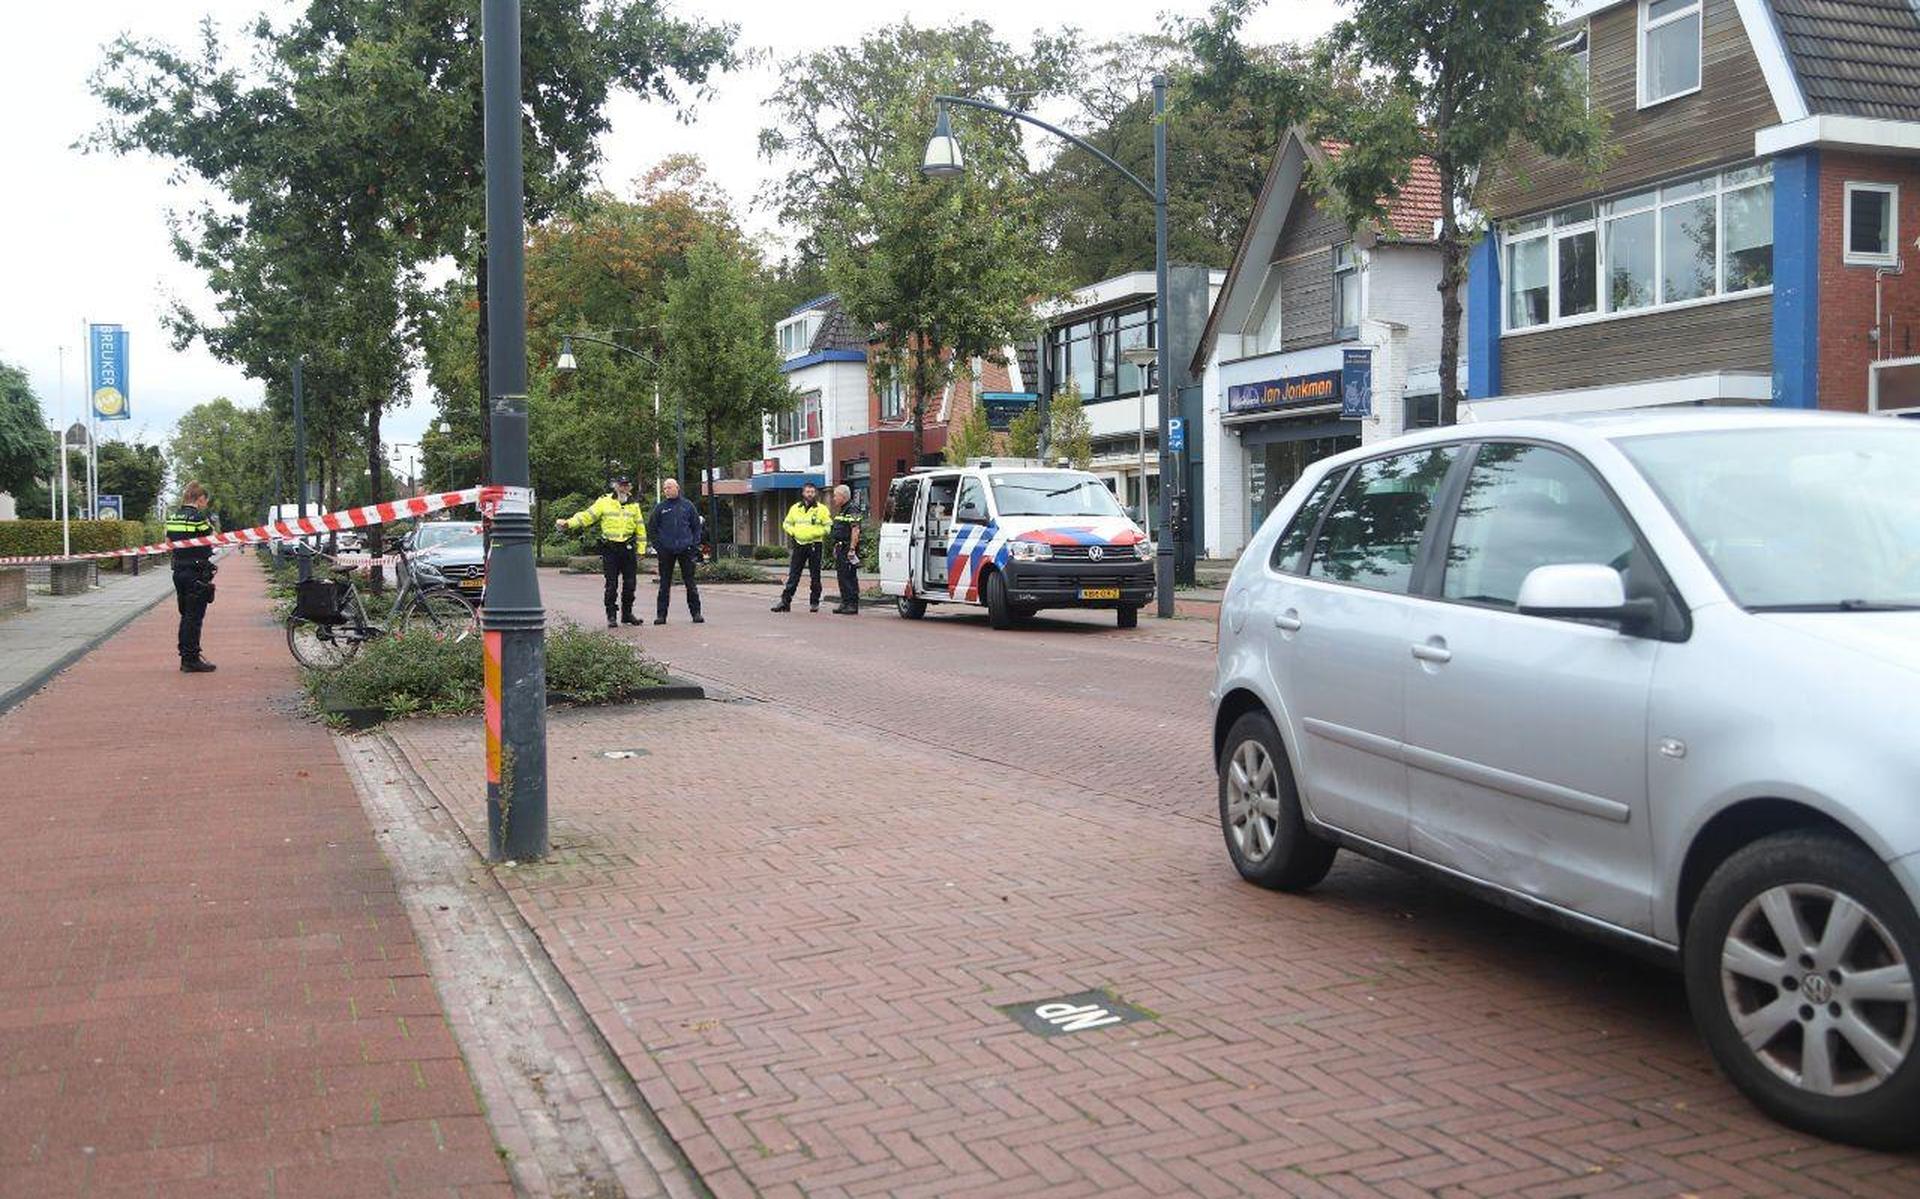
87, 234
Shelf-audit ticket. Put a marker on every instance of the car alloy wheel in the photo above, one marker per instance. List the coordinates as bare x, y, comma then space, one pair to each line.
1253, 801
1818, 989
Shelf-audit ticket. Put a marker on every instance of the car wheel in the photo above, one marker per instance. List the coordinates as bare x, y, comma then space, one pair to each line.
999, 611
911, 608
1128, 618
1267, 837
1800, 964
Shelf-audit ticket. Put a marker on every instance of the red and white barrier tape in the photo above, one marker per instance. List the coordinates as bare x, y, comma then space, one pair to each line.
490, 499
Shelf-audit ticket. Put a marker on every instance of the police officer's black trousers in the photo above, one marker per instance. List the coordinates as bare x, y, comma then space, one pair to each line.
192, 593
685, 561
805, 557
622, 570
846, 564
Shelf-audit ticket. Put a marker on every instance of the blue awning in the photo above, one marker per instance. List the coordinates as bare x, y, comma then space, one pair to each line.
788, 480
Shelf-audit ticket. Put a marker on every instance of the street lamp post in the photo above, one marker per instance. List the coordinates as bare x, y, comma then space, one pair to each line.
513, 623
943, 160
446, 434
1143, 358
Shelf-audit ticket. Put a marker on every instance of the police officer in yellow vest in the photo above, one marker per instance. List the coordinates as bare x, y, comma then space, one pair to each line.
808, 523
192, 573
623, 538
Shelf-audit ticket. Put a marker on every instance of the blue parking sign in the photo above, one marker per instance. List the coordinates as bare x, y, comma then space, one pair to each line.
1176, 434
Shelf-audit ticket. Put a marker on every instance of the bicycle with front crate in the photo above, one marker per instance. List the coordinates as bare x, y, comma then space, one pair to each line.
329, 623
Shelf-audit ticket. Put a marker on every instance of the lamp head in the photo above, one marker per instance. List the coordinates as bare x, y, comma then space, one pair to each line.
566, 360
943, 150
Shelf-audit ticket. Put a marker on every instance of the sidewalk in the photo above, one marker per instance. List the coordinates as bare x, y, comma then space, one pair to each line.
55, 630
209, 986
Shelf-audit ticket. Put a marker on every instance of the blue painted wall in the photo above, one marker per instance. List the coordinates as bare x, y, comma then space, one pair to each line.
1483, 318
1796, 280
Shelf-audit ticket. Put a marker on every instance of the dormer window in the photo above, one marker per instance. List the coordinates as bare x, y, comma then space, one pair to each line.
796, 334
1669, 49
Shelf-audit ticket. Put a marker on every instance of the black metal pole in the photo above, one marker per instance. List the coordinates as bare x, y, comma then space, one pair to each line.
300, 459
513, 622
1164, 550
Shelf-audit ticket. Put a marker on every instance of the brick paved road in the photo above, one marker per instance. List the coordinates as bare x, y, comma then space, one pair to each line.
796, 932
207, 985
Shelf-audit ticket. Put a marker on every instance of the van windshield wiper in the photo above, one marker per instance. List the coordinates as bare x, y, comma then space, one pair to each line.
1845, 605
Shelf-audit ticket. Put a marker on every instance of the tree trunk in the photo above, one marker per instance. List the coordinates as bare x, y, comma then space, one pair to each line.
377, 476
485, 473
1453, 256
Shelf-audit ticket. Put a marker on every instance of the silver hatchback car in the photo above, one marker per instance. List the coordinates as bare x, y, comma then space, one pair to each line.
1655, 676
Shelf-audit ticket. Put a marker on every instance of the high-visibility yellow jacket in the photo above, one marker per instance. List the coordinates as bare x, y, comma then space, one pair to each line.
808, 524
617, 521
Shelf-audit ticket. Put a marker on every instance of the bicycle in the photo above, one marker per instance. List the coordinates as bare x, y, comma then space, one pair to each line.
329, 624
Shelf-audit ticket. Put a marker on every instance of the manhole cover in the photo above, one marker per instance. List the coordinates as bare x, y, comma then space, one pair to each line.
1073, 1013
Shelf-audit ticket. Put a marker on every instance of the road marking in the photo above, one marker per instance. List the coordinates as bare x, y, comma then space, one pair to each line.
1073, 1013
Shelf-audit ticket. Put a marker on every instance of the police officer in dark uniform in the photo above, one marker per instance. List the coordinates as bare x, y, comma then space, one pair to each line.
846, 550
192, 574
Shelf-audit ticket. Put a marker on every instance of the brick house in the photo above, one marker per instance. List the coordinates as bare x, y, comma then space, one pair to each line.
1747, 245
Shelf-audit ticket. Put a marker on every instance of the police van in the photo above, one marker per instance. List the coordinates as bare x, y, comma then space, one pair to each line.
1012, 536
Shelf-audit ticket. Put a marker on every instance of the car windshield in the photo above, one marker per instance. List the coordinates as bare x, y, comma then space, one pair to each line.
1798, 519
447, 535
1052, 493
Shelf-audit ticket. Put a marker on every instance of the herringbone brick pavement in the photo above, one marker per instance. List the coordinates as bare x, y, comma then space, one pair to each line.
795, 932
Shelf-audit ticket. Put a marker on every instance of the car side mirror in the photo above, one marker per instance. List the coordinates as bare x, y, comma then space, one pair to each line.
1133, 513
1583, 591
971, 513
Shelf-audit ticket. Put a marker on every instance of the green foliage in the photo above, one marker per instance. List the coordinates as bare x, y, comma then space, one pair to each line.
971, 438
870, 548
32, 538
731, 570
134, 472
1458, 82
420, 673
26, 444
227, 448
1023, 434
946, 271
1071, 433
769, 553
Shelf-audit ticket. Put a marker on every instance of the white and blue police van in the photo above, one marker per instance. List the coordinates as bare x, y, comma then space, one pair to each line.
1012, 536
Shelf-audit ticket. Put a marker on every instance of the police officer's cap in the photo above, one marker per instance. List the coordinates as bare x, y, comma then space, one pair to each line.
626, 479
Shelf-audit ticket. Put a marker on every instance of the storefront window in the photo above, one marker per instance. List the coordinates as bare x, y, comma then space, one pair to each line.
1274, 467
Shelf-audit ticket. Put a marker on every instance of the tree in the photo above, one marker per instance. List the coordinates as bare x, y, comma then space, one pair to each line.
134, 472
720, 365
1226, 106
1456, 82
371, 110
971, 438
1071, 433
944, 272
228, 449
26, 444
1023, 434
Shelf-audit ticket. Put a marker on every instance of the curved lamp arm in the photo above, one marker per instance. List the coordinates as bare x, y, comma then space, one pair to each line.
649, 359
1029, 118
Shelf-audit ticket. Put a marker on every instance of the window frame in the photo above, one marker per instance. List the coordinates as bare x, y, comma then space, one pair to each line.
1444, 496
1338, 478
1698, 9
1266, 300
1892, 192
1651, 198
1102, 334
892, 393
1675, 620
806, 326
1345, 274
783, 434
986, 496
1583, 38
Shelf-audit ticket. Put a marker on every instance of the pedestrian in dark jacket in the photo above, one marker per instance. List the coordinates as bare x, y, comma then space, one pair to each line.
674, 528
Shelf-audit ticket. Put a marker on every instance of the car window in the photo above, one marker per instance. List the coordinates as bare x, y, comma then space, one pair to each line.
1526, 506
900, 501
1372, 532
1290, 551
972, 501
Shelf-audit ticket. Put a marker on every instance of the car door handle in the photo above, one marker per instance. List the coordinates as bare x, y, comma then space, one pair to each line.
1433, 653
1288, 620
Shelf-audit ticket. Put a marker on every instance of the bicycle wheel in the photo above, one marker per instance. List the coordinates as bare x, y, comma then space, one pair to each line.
447, 615
322, 647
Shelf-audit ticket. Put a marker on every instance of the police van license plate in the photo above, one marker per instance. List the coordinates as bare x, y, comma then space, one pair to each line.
1099, 593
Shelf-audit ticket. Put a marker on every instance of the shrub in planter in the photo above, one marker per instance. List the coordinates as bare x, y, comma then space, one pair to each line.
770, 553
591, 666
732, 570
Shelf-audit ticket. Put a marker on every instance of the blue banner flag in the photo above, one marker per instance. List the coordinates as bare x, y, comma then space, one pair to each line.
1356, 384
108, 358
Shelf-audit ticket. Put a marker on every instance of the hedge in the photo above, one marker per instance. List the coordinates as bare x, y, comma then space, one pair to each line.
28, 538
